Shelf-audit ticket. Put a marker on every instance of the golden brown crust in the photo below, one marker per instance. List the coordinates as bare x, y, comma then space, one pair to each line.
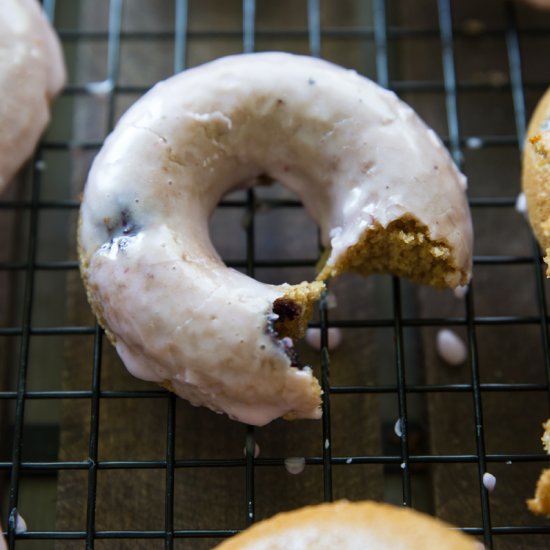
540, 504
405, 249
95, 305
341, 524
536, 173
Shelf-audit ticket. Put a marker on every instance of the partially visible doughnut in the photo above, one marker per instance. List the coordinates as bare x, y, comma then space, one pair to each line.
536, 174
350, 526
540, 504
381, 185
540, 4
32, 72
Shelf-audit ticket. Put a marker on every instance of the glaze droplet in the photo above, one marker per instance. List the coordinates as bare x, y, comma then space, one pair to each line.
313, 338
256, 450
489, 481
460, 291
451, 348
295, 464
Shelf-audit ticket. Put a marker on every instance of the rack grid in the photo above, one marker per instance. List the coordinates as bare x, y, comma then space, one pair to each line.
382, 35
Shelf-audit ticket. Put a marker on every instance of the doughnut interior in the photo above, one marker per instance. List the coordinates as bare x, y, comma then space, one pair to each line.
536, 174
350, 526
379, 183
32, 72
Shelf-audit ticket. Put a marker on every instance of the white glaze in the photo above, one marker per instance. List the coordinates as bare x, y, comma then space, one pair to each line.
20, 524
521, 204
32, 73
350, 150
397, 430
256, 450
295, 464
460, 291
489, 481
334, 337
451, 348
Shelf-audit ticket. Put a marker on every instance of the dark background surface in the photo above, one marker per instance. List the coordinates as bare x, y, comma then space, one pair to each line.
91, 456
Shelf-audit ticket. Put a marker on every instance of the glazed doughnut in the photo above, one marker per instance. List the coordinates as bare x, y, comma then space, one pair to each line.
536, 174
350, 526
32, 72
378, 182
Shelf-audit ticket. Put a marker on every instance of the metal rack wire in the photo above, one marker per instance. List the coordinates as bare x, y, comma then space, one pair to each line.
20, 332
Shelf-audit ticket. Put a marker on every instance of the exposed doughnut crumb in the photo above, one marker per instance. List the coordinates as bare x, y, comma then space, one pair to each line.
540, 504
295, 465
405, 249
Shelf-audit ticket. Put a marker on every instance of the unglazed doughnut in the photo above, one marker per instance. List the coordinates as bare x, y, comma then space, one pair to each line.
536, 174
379, 183
32, 72
344, 525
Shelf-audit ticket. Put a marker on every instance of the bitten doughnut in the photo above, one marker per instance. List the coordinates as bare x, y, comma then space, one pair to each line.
350, 526
32, 72
536, 174
379, 183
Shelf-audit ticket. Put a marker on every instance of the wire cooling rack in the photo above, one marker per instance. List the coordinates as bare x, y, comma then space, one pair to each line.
425, 53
